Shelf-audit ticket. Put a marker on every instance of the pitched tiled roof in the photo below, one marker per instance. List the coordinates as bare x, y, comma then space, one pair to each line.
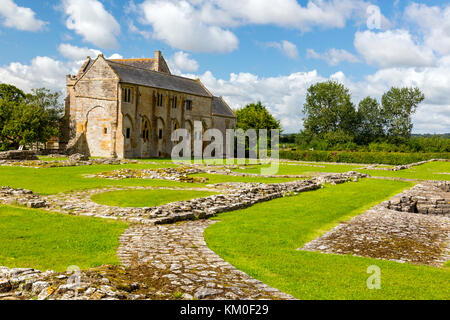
154, 79
139, 63
220, 107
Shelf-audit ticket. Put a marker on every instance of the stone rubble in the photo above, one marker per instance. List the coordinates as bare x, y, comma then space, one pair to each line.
18, 155
235, 196
402, 167
71, 162
404, 236
424, 198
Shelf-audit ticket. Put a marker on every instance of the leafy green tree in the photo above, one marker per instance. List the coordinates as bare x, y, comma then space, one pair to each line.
398, 105
11, 93
256, 116
28, 119
370, 121
328, 108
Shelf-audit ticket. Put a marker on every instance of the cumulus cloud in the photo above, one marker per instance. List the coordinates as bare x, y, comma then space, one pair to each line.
41, 72
205, 26
392, 48
90, 19
333, 56
76, 53
180, 25
21, 18
287, 48
181, 62
434, 23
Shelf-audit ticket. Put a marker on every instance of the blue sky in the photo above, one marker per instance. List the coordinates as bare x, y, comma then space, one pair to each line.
248, 50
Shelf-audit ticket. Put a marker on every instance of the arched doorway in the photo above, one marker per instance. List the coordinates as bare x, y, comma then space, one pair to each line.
145, 138
128, 130
160, 136
98, 132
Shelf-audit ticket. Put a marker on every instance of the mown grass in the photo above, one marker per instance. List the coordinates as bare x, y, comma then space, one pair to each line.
146, 198
262, 241
44, 240
429, 171
218, 178
303, 169
66, 179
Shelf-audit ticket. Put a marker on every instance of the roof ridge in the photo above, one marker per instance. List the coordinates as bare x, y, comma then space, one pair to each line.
134, 59
158, 72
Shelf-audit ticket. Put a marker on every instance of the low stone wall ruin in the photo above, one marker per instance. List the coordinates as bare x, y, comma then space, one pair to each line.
425, 198
18, 155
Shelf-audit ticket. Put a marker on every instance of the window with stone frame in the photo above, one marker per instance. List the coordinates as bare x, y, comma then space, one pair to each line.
174, 102
160, 134
128, 133
188, 105
146, 131
127, 95
159, 99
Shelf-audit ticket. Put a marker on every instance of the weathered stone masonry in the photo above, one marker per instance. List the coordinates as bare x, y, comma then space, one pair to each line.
128, 108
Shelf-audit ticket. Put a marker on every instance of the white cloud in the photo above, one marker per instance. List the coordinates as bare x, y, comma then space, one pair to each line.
89, 19
182, 62
21, 18
204, 26
41, 72
394, 48
180, 25
333, 56
288, 13
287, 48
76, 53
435, 25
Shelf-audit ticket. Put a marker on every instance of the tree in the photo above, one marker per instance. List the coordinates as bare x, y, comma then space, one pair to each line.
11, 93
256, 116
328, 108
398, 105
28, 119
370, 121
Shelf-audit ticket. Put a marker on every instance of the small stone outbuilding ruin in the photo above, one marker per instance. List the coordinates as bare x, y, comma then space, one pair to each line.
128, 108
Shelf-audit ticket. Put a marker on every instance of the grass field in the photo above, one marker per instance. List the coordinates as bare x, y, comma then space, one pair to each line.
262, 241
44, 240
303, 169
146, 198
428, 171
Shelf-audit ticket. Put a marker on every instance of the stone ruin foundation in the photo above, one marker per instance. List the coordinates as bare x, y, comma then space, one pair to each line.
413, 227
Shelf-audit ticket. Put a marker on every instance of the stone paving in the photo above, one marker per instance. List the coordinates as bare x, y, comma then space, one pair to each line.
181, 251
402, 235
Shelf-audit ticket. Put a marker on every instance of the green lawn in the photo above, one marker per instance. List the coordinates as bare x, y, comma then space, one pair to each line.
146, 198
44, 240
65, 179
262, 241
428, 171
305, 169
219, 178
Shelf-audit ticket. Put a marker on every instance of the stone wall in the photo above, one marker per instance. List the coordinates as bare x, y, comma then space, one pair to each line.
432, 199
92, 105
143, 108
18, 155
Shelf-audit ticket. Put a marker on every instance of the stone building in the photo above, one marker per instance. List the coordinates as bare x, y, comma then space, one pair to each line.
128, 108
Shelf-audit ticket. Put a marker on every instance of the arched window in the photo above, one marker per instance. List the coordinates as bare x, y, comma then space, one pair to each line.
146, 130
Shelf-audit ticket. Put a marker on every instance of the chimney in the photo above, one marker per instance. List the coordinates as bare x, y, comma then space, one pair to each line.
158, 58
